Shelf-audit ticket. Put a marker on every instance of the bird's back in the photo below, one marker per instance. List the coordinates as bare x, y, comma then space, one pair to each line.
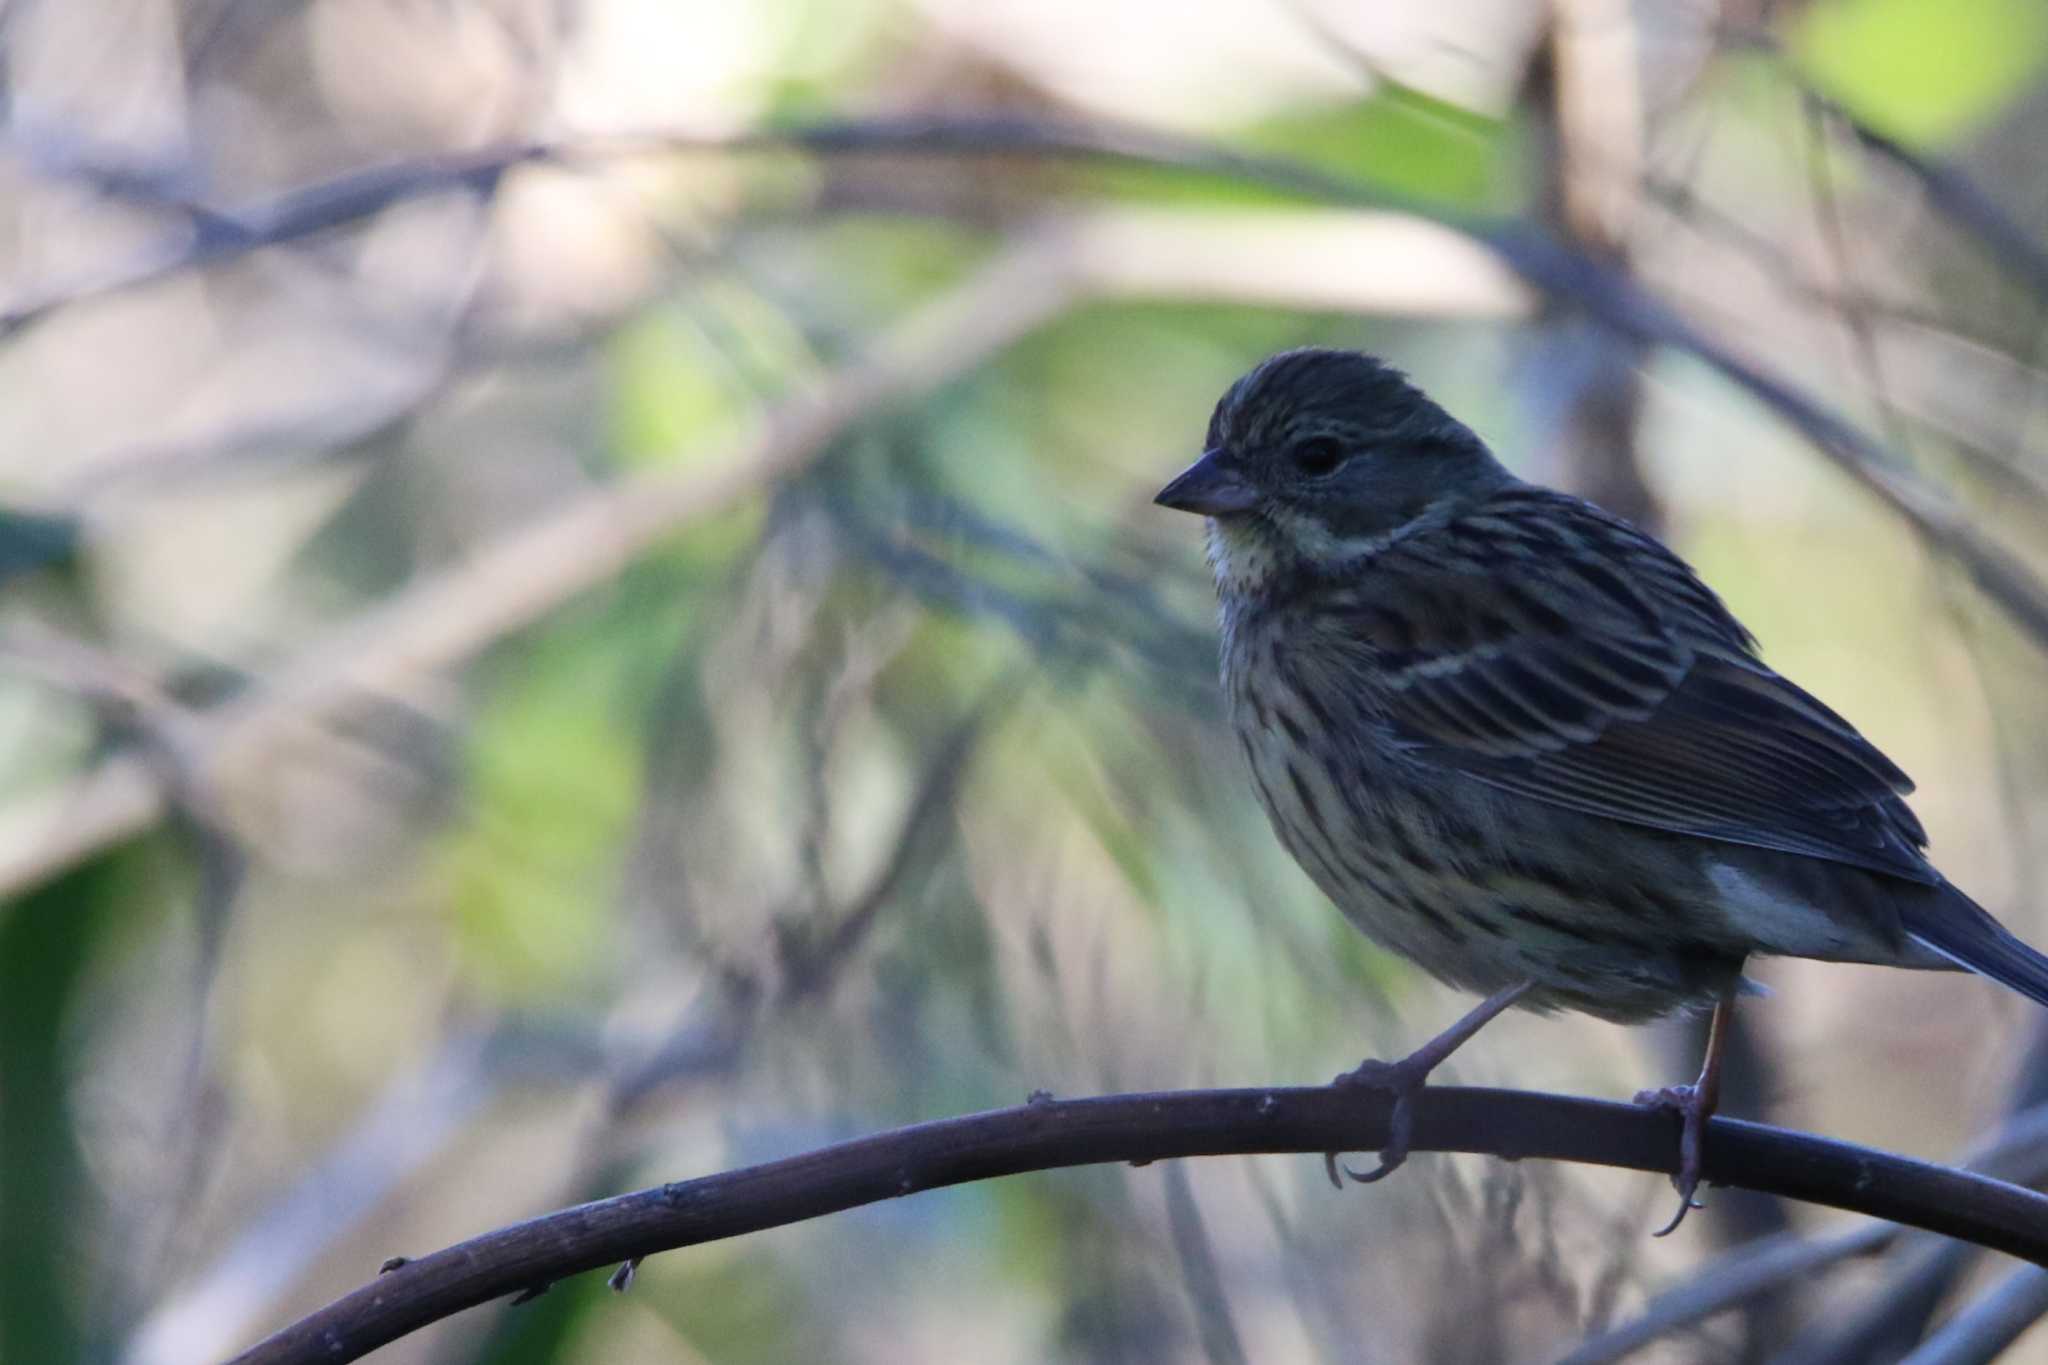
1525, 740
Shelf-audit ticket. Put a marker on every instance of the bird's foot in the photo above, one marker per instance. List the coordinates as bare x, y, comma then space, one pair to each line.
1404, 1081
1694, 1106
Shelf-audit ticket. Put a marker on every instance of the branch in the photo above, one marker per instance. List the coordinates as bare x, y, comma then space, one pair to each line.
1984, 1329
401, 1130
1622, 304
1892, 1316
530, 572
1755, 1269
1949, 188
1143, 1128
2017, 1152
450, 616
211, 235
1377, 262
1607, 294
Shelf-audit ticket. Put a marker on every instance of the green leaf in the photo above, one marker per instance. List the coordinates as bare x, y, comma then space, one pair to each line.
554, 781
1402, 142
47, 939
1924, 71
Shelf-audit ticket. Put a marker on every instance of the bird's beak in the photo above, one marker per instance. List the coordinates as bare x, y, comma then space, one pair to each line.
1209, 488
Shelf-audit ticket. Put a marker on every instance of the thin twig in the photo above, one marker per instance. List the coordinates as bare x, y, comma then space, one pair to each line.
1983, 1330
715, 1037
1606, 294
1894, 1315
1199, 1274
1757, 1268
450, 617
446, 619
1048, 1134
1947, 187
528, 573
817, 962
1888, 1318
2018, 1151
416, 1116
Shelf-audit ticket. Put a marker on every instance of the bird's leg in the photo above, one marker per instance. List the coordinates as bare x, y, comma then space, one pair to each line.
1694, 1105
1405, 1078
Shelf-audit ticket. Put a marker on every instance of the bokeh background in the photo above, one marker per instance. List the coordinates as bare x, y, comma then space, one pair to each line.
562, 629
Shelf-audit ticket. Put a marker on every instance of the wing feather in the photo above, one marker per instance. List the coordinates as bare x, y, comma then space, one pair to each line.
1610, 680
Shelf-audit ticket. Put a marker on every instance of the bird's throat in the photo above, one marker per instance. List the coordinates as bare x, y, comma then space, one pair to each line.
1252, 555
1246, 554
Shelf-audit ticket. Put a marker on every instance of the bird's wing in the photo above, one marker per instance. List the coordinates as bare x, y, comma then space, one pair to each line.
1607, 679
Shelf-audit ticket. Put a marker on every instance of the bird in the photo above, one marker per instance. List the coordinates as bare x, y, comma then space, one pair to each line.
1519, 742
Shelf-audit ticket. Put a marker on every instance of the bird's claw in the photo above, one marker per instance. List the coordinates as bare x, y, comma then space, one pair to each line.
1686, 1204
1403, 1080
1693, 1111
1390, 1161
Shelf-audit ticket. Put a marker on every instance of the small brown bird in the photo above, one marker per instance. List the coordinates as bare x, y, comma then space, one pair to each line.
1517, 740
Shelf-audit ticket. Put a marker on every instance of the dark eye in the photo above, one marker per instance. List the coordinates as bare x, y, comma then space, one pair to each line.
1316, 456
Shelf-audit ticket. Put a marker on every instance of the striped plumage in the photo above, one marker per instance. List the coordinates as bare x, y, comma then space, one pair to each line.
1442, 738
1516, 739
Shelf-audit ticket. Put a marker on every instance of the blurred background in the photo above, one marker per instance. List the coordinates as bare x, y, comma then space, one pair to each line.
580, 607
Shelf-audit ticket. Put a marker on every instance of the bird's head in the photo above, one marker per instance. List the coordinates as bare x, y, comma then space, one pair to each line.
1321, 457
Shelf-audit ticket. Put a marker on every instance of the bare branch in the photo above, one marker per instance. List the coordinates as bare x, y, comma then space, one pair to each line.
1894, 1315
1554, 269
1982, 1331
813, 963
1369, 261
1049, 1134
2018, 1151
1761, 1267
2003, 576
532, 571
415, 1117
213, 235
448, 618
1947, 187
1199, 1273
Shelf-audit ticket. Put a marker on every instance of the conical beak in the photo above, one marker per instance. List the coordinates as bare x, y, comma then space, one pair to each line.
1209, 488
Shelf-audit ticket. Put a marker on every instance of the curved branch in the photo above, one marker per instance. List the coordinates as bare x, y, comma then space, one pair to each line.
1048, 1134
2018, 1151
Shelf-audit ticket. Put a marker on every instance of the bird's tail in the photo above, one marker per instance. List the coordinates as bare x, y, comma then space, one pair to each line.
1963, 931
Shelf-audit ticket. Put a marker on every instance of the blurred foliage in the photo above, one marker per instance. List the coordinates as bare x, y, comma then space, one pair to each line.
29, 541
1405, 143
46, 940
550, 785
1925, 70
894, 786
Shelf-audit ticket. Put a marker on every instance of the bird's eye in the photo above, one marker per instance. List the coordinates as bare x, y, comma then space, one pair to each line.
1316, 456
